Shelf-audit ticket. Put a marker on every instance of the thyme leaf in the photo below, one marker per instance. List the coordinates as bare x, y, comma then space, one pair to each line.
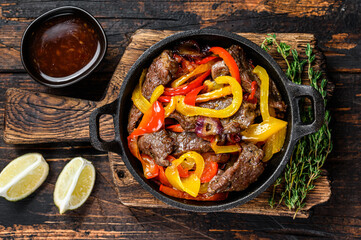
311, 151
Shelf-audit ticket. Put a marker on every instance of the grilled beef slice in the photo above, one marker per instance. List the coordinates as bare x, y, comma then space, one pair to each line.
158, 145
160, 72
187, 123
241, 174
187, 141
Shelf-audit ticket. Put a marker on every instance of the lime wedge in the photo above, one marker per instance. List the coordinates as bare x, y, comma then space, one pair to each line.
22, 176
74, 184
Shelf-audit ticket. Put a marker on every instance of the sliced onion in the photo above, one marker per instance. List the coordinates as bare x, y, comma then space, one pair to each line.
190, 49
206, 127
234, 137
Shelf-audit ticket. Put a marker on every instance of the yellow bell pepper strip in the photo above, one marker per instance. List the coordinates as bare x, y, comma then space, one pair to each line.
228, 60
270, 125
224, 149
274, 144
200, 69
190, 184
262, 131
201, 197
236, 88
263, 76
152, 121
205, 97
137, 97
158, 91
212, 85
204, 188
170, 107
183, 172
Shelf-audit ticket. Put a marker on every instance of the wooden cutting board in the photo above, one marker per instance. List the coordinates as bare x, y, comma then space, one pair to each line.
32, 117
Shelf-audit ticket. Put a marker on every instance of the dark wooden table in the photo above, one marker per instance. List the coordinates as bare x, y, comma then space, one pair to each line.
337, 26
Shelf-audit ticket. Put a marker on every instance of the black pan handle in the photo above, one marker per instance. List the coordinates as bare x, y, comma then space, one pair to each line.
296, 92
95, 138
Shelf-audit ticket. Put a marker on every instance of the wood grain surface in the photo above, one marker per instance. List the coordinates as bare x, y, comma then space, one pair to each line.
336, 26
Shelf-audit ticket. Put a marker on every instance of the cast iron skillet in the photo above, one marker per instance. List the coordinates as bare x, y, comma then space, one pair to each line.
291, 94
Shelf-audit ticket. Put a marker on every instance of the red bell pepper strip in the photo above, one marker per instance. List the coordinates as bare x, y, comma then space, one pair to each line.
201, 197
152, 121
150, 168
183, 173
210, 170
251, 98
206, 59
162, 178
186, 88
229, 60
175, 128
191, 97
164, 99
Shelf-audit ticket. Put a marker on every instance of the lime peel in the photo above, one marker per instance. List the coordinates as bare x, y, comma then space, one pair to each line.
23, 173
64, 204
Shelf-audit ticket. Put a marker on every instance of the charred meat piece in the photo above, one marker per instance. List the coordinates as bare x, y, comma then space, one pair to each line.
241, 174
158, 145
160, 72
219, 158
219, 69
187, 123
187, 141
240, 120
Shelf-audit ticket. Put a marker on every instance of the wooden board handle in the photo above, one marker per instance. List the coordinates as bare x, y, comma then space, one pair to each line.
38, 118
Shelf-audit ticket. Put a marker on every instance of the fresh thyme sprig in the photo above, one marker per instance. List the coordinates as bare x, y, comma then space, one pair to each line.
311, 151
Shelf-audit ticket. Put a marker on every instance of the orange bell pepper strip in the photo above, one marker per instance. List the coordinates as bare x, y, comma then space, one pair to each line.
150, 168
206, 59
184, 89
162, 178
148, 164
201, 197
175, 128
200, 69
190, 98
210, 170
229, 61
251, 98
152, 121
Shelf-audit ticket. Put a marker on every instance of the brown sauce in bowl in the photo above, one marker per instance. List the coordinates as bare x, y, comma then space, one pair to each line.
63, 47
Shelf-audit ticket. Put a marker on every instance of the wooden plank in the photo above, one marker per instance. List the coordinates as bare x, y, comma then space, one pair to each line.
133, 195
